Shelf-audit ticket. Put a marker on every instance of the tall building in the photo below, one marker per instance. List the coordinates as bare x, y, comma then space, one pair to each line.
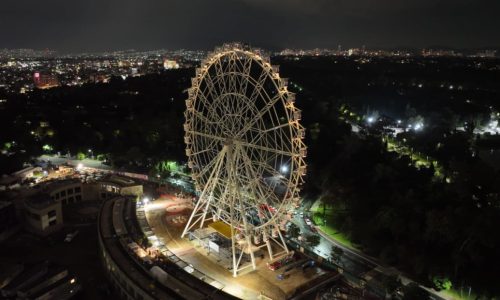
45, 81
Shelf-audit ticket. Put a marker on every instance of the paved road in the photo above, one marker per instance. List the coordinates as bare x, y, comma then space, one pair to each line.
59, 160
349, 260
355, 262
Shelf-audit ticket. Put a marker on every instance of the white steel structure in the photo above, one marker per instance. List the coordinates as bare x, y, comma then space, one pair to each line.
245, 148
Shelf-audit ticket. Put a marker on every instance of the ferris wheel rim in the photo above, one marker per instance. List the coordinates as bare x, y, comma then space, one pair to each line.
192, 135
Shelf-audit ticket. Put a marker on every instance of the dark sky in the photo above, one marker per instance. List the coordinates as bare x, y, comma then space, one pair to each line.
97, 25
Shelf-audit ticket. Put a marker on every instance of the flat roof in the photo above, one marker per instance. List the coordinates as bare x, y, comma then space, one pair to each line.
41, 200
221, 228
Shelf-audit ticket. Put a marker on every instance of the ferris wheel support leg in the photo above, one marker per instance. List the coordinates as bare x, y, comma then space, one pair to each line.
269, 249
189, 223
201, 200
283, 242
233, 248
206, 210
252, 256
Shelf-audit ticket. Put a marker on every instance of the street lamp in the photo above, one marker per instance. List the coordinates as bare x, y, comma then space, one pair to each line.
284, 169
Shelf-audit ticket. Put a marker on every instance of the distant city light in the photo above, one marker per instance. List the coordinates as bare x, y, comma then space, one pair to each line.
370, 119
418, 126
145, 200
284, 169
79, 166
399, 121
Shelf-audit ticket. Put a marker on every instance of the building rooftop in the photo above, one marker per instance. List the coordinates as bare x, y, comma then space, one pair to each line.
39, 201
52, 185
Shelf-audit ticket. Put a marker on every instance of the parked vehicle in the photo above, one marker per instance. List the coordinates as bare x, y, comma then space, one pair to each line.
71, 236
281, 262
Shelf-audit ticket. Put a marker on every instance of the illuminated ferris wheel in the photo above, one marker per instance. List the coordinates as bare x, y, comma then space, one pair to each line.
245, 149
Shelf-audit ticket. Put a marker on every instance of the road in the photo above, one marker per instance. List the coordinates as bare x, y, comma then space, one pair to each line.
350, 261
355, 262
59, 160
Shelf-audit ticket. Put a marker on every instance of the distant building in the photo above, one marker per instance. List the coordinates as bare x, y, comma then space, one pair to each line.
99, 78
43, 215
27, 173
74, 191
9, 182
45, 81
487, 54
170, 64
119, 185
440, 53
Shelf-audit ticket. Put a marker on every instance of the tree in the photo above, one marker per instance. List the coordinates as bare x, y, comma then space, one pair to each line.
293, 231
312, 240
413, 292
391, 284
336, 253
441, 283
80, 156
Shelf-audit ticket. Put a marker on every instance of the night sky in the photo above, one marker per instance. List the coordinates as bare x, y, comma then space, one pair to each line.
97, 25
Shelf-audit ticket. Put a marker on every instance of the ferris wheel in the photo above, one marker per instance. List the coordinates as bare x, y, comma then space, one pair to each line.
245, 149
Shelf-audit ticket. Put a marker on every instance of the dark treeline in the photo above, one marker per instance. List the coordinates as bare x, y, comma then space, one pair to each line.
434, 230
133, 123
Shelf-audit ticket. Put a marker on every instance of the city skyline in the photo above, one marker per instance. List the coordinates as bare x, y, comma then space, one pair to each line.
96, 27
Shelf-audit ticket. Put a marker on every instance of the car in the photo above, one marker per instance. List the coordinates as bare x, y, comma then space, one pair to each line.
275, 265
71, 236
282, 262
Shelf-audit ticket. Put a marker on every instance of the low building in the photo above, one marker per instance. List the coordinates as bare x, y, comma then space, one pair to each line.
135, 272
8, 182
9, 222
28, 172
43, 215
113, 185
40, 281
66, 191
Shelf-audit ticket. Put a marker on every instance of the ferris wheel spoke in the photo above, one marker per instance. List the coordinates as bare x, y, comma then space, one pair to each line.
260, 114
267, 149
210, 136
260, 191
207, 121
